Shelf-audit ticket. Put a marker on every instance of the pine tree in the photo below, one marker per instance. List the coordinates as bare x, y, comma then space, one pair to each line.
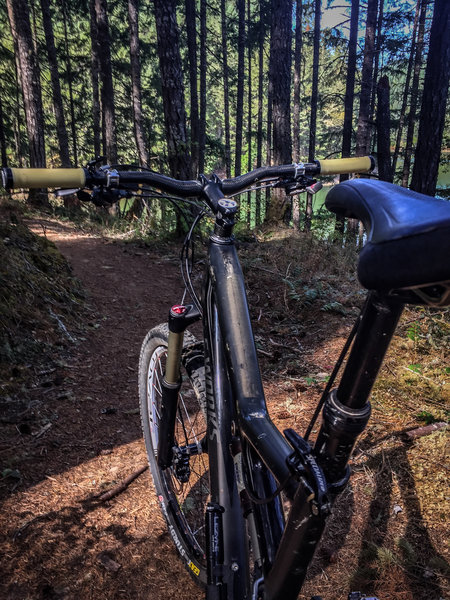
63, 139
172, 87
192, 56
107, 89
363, 134
136, 92
281, 60
414, 96
240, 86
19, 19
434, 101
383, 122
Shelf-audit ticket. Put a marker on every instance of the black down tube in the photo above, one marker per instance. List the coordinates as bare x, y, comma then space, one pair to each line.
234, 320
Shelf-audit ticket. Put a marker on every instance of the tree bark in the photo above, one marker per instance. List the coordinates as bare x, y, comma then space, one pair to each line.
202, 123
376, 63
172, 87
4, 159
240, 87
225, 88
314, 101
350, 84
249, 108
347, 131
297, 80
70, 80
95, 68
363, 134
406, 89
136, 89
107, 88
414, 96
315, 82
434, 100
63, 139
281, 60
383, 121
19, 19
259, 134
192, 55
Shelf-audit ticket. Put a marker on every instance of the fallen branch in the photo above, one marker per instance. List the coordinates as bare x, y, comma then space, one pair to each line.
123, 485
426, 430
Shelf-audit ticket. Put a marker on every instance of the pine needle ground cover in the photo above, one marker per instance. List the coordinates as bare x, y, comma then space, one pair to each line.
389, 531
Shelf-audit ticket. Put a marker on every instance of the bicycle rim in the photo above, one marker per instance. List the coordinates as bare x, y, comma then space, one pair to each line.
182, 502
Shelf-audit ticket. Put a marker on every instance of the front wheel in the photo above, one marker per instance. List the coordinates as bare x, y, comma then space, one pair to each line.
183, 492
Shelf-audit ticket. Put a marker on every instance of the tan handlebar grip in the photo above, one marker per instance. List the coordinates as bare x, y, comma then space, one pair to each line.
335, 166
48, 178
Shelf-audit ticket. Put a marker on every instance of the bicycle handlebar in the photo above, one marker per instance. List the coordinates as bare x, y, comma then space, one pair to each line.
87, 178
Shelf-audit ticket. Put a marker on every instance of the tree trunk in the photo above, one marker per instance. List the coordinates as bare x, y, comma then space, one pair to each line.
172, 87
136, 91
95, 67
384, 130
281, 59
350, 84
363, 134
259, 135
314, 101
202, 123
63, 139
434, 100
19, 19
225, 88
376, 63
297, 80
240, 87
249, 107
4, 159
192, 55
347, 131
406, 89
107, 89
18, 113
414, 96
70, 80
315, 83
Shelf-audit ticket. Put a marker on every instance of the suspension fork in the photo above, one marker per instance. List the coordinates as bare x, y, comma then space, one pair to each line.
180, 317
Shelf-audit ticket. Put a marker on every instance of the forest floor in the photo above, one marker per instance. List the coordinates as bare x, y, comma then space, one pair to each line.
389, 533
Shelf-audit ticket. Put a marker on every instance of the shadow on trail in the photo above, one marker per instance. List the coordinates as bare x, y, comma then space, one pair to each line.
64, 555
415, 553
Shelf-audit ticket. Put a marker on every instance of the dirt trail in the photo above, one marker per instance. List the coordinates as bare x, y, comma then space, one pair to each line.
60, 543
56, 536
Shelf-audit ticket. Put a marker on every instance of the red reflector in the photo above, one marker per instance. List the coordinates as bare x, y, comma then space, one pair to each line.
178, 309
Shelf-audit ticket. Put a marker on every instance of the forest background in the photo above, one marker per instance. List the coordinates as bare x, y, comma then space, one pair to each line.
193, 86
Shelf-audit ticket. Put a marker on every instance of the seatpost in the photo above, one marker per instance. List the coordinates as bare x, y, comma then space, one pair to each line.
347, 410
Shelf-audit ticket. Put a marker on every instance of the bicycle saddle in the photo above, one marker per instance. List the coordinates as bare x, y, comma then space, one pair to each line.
408, 234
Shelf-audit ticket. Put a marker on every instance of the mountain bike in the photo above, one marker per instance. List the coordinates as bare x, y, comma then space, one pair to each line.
245, 503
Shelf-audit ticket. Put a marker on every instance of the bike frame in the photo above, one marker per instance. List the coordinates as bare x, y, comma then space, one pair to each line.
248, 451
236, 403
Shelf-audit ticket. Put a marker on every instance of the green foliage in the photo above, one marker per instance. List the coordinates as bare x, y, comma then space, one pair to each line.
426, 417
393, 58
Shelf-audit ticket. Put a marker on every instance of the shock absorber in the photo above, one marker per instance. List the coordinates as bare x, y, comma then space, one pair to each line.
180, 317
